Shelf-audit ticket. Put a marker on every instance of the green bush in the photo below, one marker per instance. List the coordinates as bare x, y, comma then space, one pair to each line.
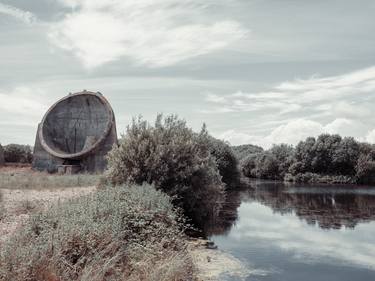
244, 151
16, 153
226, 161
365, 169
122, 233
248, 166
2, 160
176, 160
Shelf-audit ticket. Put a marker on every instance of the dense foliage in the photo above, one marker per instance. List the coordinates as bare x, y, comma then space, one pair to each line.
17, 153
245, 150
226, 161
328, 158
123, 233
173, 158
2, 160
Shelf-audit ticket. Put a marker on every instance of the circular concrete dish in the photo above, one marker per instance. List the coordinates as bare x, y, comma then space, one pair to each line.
76, 125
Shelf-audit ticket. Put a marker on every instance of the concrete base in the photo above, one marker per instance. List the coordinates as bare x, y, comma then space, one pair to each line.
95, 162
68, 169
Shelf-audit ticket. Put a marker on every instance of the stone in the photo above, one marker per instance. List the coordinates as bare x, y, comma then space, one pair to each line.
75, 135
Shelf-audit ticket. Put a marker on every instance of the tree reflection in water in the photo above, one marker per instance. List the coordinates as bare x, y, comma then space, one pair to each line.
325, 206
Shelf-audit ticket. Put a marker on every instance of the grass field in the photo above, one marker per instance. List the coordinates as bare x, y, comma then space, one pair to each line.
25, 178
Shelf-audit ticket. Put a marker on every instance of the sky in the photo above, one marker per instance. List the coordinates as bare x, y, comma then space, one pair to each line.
255, 71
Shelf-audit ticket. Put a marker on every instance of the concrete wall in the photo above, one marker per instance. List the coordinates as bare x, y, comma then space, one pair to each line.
78, 130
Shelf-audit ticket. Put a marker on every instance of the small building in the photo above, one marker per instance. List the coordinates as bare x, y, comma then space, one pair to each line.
75, 135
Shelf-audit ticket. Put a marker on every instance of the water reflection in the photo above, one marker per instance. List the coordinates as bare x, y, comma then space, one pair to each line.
327, 206
309, 232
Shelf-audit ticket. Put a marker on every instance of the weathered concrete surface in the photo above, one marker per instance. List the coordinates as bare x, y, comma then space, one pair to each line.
2, 161
78, 130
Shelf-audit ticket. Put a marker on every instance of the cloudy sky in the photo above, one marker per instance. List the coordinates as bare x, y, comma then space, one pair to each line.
256, 71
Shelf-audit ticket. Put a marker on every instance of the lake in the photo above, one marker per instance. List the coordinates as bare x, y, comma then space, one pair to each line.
300, 232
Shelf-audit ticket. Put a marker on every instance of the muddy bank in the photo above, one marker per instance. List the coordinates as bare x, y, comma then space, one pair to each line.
216, 265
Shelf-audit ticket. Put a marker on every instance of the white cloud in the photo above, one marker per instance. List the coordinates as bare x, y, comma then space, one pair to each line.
338, 104
237, 138
294, 131
306, 243
21, 100
25, 16
370, 137
155, 33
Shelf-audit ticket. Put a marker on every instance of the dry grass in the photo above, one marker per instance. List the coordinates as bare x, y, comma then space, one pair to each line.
25, 178
123, 233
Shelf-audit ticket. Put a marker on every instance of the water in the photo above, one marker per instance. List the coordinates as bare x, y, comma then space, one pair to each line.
296, 233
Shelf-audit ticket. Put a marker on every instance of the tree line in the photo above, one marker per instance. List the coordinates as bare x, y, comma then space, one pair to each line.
325, 159
16, 153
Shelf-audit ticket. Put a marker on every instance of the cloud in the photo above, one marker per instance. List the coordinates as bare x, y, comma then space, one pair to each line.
339, 104
21, 100
21, 109
370, 137
294, 131
25, 16
305, 243
154, 33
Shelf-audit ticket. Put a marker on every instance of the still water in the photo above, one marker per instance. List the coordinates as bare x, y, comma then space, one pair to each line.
300, 233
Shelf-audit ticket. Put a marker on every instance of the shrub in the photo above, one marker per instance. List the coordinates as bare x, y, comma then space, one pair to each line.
248, 166
122, 233
2, 160
319, 178
16, 153
365, 168
266, 166
2, 208
226, 161
173, 158
244, 151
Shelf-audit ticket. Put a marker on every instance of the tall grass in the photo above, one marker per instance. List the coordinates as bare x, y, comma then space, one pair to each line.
122, 233
2, 209
24, 179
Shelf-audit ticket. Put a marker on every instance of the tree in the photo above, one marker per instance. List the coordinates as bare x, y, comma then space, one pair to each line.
226, 161
365, 168
173, 158
284, 155
17, 153
266, 166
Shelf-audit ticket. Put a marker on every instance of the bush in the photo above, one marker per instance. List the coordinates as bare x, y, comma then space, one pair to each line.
16, 153
2, 160
266, 166
244, 151
248, 166
226, 161
271, 164
365, 169
173, 158
319, 178
122, 233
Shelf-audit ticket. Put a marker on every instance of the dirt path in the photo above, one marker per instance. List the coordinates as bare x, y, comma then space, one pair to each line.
19, 204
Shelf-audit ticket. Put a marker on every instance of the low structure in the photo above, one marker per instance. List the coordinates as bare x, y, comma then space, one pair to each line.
75, 135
